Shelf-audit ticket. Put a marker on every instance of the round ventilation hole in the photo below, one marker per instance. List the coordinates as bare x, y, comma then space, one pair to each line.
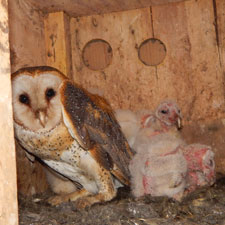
97, 54
152, 52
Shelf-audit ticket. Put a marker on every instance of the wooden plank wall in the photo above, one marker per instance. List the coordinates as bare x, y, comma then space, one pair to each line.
26, 35
220, 31
191, 72
57, 42
8, 187
76, 8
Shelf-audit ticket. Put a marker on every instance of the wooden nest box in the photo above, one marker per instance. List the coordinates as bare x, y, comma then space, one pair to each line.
135, 53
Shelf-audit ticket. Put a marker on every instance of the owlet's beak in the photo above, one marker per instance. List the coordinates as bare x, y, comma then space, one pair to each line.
179, 123
41, 116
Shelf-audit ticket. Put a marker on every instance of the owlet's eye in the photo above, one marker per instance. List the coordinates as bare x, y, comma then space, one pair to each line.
23, 98
164, 111
50, 93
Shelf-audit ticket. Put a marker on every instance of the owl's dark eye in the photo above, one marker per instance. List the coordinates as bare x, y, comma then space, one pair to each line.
50, 93
23, 98
164, 111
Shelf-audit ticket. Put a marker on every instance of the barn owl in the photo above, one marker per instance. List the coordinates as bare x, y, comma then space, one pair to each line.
72, 131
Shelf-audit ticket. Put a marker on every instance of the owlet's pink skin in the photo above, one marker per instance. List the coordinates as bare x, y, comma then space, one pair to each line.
201, 166
159, 167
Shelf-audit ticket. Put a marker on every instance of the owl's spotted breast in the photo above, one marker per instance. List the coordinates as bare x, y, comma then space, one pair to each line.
48, 144
62, 153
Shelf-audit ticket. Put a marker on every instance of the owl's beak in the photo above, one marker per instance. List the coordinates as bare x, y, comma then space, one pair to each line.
41, 115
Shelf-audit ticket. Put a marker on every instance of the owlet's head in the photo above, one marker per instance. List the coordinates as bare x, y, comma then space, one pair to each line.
36, 98
169, 113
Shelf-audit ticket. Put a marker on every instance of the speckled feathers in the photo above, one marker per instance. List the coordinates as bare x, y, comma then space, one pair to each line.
72, 131
94, 123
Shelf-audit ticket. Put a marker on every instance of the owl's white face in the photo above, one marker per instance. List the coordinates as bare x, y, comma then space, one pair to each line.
36, 100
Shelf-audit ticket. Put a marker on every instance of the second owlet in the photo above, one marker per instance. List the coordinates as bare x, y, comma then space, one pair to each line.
72, 131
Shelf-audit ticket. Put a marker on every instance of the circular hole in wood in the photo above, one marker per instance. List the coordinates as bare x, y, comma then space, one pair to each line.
152, 52
97, 54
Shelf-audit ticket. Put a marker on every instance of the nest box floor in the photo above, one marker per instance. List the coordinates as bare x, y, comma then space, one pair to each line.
204, 206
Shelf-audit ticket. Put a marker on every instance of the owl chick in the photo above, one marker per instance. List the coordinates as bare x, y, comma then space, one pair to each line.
166, 118
201, 166
129, 123
72, 131
159, 167
58, 183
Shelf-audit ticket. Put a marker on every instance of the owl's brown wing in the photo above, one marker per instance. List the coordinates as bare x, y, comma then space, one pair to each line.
91, 121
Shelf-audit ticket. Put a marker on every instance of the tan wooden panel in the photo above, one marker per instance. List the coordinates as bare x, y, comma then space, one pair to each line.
191, 72
220, 22
27, 45
126, 81
86, 7
57, 41
8, 190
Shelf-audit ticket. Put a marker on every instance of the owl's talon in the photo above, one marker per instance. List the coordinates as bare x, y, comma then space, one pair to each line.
56, 200
82, 203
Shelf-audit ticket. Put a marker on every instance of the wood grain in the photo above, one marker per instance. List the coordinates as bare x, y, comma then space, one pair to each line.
26, 28
126, 79
76, 8
219, 10
57, 42
8, 188
191, 72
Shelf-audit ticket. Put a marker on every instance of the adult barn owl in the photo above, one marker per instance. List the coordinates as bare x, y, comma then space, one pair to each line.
72, 131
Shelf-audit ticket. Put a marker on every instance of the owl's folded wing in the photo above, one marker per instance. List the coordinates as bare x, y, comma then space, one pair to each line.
91, 121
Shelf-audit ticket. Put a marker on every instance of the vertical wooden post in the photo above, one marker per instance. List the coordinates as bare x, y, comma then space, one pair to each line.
219, 8
8, 186
57, 41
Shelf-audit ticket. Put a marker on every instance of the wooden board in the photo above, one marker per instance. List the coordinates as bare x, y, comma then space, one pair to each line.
220, 29
27, 46
86, 7
8, 188
31, 177
57, 42
125, 81
190, 74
